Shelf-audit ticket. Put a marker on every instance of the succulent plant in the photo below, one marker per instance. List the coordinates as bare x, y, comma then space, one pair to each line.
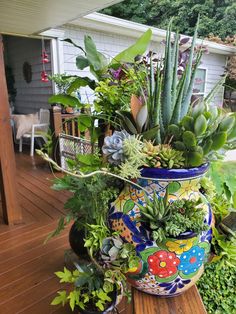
110, 248
163, 156
113, 147
203, 132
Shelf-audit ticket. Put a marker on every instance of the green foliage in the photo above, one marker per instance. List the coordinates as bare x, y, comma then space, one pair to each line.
171, 219
89, 201
134, 158
163, 156
202, 133
223, 176
138, 48
89, 289
95, 236
217, 17
126, 259
65, 100
217, 288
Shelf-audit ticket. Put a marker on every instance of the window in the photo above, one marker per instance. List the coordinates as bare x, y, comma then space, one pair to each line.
199, 85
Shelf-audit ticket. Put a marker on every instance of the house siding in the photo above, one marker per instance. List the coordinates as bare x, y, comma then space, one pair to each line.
34, 95
112, 44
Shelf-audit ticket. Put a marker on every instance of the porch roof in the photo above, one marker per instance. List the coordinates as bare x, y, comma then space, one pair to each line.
29, 17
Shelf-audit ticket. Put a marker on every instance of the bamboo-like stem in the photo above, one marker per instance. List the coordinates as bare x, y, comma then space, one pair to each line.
81, 175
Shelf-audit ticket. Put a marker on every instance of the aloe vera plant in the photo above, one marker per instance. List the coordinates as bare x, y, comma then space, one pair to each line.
166, 94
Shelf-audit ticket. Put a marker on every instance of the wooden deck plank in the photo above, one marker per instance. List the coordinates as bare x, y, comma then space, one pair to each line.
187, 303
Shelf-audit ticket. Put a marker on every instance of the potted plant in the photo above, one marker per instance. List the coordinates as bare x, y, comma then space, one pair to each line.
91, 291
160, 148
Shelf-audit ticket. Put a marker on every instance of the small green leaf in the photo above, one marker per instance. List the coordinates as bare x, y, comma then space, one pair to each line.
187, 122
218, 140
189, 139
80, 82
81, 62
200, 125
173, 187
195, 159
227, 123
84, 122
61, 298
179, 146
207, 146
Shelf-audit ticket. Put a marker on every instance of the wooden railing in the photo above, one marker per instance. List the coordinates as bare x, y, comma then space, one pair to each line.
64, 123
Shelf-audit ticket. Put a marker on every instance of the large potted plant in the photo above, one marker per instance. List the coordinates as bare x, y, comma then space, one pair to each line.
160, 148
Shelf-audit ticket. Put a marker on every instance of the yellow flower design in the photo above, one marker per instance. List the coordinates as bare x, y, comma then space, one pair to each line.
180, 246
188, 187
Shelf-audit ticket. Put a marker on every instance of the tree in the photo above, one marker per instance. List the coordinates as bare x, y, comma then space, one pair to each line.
218, 17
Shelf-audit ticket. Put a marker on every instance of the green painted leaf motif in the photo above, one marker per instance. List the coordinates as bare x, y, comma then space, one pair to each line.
167, 279
190, 275
146, 253
173, 187
129, 205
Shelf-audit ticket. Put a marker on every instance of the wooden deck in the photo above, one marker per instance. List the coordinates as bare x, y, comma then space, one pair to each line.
27, 266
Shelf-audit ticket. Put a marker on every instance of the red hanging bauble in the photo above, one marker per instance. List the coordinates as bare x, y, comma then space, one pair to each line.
44, 76
45, 57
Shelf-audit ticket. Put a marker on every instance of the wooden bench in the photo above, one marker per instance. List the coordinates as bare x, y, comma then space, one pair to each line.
189, 302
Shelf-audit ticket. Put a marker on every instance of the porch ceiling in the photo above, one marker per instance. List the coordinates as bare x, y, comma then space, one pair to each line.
28, 17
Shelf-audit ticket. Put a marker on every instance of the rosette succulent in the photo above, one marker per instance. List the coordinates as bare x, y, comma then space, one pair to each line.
111, 248
113, 147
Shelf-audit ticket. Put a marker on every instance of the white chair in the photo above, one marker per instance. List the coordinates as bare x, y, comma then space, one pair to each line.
38, 130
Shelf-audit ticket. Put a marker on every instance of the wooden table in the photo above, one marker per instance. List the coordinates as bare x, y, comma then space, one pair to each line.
189, 302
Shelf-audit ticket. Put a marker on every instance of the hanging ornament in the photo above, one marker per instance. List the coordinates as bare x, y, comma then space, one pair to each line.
44, 76
45, 59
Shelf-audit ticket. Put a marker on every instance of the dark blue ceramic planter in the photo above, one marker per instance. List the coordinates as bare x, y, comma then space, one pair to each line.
171, 267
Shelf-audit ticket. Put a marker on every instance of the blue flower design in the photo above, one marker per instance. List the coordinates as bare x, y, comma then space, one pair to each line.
191, 260
171, 287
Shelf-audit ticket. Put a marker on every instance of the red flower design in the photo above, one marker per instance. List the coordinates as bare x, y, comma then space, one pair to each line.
163, 264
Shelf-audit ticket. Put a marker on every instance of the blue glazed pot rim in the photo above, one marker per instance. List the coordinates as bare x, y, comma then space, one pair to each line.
162, 173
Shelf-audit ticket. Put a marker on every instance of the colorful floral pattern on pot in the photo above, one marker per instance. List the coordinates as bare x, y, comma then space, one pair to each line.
174, 265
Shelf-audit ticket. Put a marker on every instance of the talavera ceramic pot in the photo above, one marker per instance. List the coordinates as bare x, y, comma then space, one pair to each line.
173, 266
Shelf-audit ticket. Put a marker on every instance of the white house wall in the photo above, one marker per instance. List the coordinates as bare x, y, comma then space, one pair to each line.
34, 95
111, 44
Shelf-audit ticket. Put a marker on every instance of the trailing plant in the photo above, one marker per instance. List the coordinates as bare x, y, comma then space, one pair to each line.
81, 208
217, 288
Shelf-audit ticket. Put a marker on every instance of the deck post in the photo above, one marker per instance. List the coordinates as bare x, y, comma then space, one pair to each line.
10, 206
